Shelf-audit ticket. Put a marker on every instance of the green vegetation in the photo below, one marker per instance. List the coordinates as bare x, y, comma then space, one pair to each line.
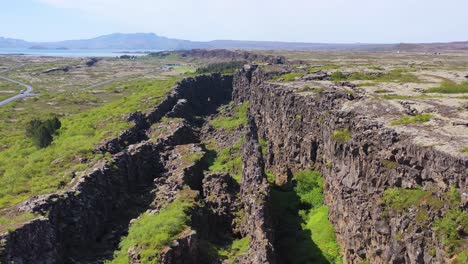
464, 150
323, 68
446, 227
151, 233
405, 120
234, 250
227, 160
461, 258
448, 87
8, 223
400, 199
288, 77
389, 164
304, 234
222, 67
396, 75
341, 135
407, 97
232, 122
41, 132
26, 170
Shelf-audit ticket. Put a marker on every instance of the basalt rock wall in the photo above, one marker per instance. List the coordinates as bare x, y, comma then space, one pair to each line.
73, 219
299, 132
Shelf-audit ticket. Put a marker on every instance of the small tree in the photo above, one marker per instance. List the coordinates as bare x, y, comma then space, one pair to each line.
41, 131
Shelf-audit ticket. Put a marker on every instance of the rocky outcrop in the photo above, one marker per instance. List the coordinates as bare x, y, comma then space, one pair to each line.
300, 130
185, 250
75, 222
255, 197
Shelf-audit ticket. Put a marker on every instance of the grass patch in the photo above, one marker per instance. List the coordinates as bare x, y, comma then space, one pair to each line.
341, 135
26, 170
151, 233
448, 87
399, 199
323, 68
396, 75
10, 223
288, 77
232, 122
234, 250
405, 120
227, 160
303, 232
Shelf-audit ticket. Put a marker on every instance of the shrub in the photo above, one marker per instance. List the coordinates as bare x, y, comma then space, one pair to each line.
309, 187
405, 120
448, 87
41, 132
341, 135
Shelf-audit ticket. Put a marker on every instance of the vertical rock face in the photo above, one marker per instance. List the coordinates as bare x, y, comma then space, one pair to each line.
255, 194
299, 130
76, 219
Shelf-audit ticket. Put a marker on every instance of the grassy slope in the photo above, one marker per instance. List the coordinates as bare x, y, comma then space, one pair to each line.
26, 170
152, 232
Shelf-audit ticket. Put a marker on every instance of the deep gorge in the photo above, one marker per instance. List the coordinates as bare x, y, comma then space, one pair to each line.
165, 156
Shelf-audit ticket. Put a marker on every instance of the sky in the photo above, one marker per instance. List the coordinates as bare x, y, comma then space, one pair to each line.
325, 21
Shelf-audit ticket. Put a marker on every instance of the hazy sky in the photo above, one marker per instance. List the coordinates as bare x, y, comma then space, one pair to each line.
376, 21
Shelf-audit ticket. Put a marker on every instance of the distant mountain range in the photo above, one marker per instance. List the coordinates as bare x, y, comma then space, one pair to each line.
151, 41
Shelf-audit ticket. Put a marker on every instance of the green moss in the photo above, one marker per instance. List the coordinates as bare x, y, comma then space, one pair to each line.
448, 87
464, 150
399, 199
227, 160
263, 144
433, 252
389, 164
341, 135
230, 253
151, 233
405, 120
271, 178
232, 122
288, 77
446, 228
422, 216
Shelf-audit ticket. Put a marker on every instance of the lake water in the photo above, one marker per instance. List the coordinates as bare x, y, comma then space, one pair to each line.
75, 52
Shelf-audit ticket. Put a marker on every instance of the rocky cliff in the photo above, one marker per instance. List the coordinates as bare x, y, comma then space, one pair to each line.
365, 164
303, 131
